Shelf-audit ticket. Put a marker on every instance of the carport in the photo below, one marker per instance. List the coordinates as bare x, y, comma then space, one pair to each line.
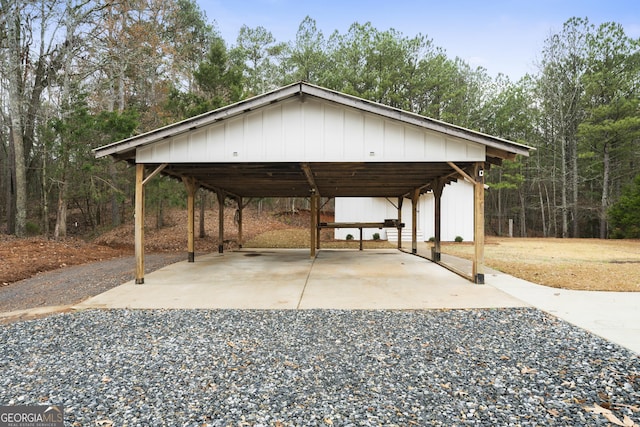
307, 141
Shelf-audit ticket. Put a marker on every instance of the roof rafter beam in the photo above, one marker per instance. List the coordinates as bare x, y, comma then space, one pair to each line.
309, 174
464, 174
201, 183
501, 154
221, 190
154, 173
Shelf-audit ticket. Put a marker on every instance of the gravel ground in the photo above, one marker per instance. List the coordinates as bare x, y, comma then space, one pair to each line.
317, 368
73, 284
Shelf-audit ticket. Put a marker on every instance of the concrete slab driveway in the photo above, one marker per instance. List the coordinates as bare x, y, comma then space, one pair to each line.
290, 279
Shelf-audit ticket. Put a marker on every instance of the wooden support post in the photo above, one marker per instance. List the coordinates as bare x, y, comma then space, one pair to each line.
360, 237
400, 200
139, 224
240, 215
478, 224
191, 246
438, 187
192, 188
319, 207
313, 225
221, 197
415, 196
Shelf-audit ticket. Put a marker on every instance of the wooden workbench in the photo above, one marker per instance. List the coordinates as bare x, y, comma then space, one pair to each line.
360, 225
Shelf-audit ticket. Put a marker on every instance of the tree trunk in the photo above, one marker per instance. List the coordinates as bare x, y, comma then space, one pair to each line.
115, 208
121, 94
563, 192
98, 216
45, 197
606, 165
574, 188
19, 170
10, 191
544, 223
500, 211
203, 202
523, 215
88, 215
553, 212
60, 229
159, 215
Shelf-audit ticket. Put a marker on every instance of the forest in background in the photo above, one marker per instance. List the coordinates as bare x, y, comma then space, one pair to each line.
78, 74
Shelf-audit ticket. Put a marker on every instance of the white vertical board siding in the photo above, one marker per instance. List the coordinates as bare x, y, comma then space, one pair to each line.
198, 143
363, 209
394, 142
158, 150
310, 131
234, 140
457, 213
254, 148
414, 145
312, 138
373, 138
180, 150
293, 132
273, 128
332, 130
368, 209
354, 149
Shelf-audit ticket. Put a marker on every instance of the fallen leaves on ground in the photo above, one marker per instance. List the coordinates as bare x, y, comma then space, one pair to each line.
609, 415
23, 258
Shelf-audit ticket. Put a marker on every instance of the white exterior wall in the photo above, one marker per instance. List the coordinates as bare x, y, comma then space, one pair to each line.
457, 213
365, 209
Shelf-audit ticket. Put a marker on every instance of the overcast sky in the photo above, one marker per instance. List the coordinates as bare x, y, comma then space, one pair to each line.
503, 36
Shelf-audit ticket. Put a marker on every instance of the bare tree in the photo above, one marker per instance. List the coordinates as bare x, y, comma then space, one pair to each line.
561, 89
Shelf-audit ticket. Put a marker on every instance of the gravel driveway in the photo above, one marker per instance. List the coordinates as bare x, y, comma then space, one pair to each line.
317, 368
70, 285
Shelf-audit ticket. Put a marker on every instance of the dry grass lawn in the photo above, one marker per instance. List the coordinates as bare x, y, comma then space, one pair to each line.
587, 264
